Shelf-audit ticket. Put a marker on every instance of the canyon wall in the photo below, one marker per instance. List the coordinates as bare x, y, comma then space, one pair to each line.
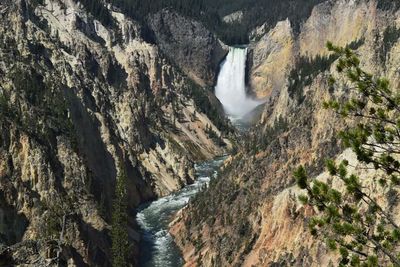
250, 215
189, 45
84, 98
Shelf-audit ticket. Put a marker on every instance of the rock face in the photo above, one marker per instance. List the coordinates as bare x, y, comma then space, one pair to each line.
250, 215
80, 101
271, 58
189, 45
235, 17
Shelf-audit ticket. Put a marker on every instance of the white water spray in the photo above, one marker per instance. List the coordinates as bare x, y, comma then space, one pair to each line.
231, 88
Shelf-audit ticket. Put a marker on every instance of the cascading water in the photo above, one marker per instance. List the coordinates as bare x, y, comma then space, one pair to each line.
157, 246
231, 87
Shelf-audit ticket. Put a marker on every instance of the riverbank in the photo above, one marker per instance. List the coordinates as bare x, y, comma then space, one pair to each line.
158, 248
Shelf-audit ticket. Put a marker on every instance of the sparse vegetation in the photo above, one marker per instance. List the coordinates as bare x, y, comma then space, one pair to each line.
390, 36
388, 4
48, 115
203, 102
263, 137
224, 206
98, 11
5, 108
353, 221
305, 72
306, 69
211, 13
119, 231
214, 136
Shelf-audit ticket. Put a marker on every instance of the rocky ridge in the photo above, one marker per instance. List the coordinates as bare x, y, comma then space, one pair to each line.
196, 50
250, 215
81, 100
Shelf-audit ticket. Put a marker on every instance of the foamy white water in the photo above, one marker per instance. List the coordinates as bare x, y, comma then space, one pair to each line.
231, 87
157, 245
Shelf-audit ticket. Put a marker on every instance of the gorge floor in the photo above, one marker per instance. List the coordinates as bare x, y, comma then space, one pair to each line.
157, 246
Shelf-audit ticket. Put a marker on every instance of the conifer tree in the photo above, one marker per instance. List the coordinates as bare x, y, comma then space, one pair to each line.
354, 222
119, 232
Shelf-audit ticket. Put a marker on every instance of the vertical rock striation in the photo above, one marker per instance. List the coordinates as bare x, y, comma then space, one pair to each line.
250, 215
78, 98
189, 45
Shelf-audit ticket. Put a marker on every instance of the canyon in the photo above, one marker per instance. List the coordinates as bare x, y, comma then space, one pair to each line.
82, 99
86, 97
251, 215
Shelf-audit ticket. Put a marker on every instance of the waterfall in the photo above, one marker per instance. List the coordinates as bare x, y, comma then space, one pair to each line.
231, 87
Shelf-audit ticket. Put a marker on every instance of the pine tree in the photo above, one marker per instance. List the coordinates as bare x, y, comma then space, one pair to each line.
353, 222
119, 232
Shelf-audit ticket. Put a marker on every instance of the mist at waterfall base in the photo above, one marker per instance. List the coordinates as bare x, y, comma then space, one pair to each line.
231, 86
157, 247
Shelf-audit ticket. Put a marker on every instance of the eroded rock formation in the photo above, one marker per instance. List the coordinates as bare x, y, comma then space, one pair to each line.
81, 99
250, 215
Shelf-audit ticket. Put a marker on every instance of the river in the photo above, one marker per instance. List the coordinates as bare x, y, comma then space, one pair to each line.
157, 246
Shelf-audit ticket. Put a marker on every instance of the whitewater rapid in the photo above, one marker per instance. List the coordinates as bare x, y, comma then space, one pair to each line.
157, 245
231, 85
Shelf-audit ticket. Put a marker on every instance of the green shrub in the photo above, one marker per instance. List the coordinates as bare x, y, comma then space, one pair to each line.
211, 13
390, 36
305, 71
203, 103
119, 231
97, 9
388, 4
351, 220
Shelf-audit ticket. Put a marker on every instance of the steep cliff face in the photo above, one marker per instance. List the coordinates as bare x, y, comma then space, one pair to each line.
271, 58
80, 100
250, 216
342, 22
189, 45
